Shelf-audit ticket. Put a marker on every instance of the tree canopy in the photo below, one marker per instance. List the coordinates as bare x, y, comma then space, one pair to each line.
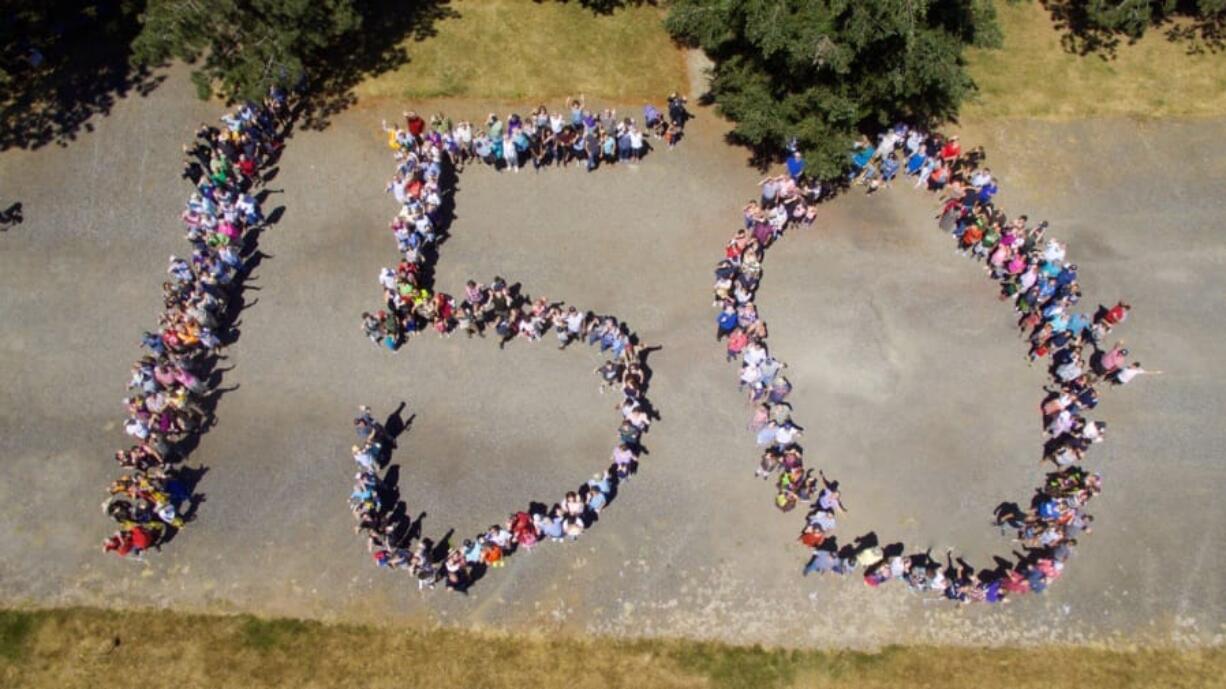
1096, 26
820, 71
63, 61
241, 47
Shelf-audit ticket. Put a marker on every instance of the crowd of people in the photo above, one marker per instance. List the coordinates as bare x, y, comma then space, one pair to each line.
427, 159
428, 155
394, 539
1032, 273
575, 134
168, 404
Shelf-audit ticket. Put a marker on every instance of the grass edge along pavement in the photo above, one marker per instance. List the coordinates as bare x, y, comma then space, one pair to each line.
175, 388
1017, 252
75, 647
424, 185
1033, 76
515, 51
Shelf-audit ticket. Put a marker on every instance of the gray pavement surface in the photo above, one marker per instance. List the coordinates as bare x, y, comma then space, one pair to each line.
910, 382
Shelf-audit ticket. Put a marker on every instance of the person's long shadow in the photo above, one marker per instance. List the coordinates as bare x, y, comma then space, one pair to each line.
184, 479
404, 530
444, 215
11, 216
394, 425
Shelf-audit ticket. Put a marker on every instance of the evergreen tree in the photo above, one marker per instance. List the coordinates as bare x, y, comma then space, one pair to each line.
1098, 25
241, 47
822, 70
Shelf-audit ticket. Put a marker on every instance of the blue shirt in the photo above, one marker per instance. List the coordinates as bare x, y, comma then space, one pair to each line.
796, 166
1078, 322
596, 500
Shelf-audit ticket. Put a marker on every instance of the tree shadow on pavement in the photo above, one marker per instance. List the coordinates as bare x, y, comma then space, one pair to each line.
1087, 29
376, 47
606, 7
61, 63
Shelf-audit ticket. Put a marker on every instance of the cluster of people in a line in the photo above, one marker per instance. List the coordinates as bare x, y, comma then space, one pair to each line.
575, 134
427, 159
428, 155
393, 538
167, 401
1032, 272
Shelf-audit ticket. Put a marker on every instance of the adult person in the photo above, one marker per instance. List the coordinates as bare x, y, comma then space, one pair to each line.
796, 165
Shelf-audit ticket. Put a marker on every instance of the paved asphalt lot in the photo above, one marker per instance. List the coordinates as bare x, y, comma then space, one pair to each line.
910, 382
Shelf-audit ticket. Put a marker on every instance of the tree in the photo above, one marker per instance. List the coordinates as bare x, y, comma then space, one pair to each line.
1097, 26
822, 70
241, 47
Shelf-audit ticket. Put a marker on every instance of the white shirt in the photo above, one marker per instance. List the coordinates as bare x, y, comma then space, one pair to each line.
784, 435
914, 139
574, 322
754, 354
136, 428
886, 146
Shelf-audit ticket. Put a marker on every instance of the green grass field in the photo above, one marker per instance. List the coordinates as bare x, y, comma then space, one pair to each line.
526, 51
62, 649
1033, 76
520, 50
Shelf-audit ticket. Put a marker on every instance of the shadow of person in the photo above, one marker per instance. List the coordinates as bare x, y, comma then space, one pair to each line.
1008, 513
11, 217
394, 425
275, 216
868, 540
416, 527
439, 550
391, 481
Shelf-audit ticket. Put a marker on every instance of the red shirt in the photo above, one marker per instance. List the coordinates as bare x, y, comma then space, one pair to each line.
951, 150
737, 341
141, 538
416, 125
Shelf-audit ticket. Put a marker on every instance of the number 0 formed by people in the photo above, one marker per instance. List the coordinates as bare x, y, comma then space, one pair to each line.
1031, 272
